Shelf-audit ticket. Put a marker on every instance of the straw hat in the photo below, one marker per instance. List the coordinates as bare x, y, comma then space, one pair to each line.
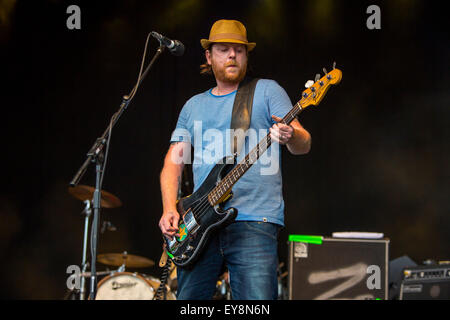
227, 31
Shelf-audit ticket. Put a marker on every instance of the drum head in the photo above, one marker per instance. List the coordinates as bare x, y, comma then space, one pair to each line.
125, 286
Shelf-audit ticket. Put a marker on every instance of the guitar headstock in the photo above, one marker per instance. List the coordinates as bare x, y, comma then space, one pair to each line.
315, 92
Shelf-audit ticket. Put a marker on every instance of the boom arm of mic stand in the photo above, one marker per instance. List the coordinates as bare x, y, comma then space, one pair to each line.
99, 144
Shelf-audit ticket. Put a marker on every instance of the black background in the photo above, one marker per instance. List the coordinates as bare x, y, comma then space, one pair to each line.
379, 158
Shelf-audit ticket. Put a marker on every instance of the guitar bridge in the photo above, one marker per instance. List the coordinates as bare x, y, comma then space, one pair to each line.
172, 245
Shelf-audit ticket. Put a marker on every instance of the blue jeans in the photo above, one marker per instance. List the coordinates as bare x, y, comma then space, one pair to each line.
248, 250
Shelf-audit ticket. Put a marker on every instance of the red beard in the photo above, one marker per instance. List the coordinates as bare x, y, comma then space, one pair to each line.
222, 74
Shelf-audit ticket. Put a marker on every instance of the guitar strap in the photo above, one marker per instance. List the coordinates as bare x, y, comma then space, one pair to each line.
242, 113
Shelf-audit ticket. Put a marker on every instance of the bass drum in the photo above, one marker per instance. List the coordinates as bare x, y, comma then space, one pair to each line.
127, 286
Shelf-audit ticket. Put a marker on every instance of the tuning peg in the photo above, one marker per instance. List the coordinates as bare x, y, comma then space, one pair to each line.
324, 70
334, 65
317, 78
309, 83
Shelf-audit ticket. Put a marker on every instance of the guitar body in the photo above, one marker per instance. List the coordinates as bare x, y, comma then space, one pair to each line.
199, 218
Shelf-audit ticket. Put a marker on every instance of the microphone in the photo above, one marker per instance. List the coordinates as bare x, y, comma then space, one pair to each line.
175, 46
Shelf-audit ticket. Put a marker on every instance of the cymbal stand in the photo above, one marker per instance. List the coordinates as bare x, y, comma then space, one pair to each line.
84, 264
121, 268
124, 257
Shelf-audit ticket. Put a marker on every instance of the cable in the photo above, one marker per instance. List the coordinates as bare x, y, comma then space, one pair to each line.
161, 291
113, 118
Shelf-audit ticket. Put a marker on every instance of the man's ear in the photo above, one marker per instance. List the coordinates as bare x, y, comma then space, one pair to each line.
208, 56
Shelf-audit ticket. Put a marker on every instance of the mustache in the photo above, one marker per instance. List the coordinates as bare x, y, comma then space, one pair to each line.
231, 64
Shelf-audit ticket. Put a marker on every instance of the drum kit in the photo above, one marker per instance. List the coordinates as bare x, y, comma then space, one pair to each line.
120, 284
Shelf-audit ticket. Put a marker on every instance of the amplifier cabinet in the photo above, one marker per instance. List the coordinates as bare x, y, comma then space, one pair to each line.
322, 268
426, 283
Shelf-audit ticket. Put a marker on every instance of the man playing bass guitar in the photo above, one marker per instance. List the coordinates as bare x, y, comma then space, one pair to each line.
248, 245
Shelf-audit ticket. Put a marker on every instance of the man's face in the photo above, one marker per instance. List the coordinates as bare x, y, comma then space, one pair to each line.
228, 61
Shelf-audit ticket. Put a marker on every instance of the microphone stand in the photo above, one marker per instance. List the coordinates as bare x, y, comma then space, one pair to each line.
87, 211
96, 155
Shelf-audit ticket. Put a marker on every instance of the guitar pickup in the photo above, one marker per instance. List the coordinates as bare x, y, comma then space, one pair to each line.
190, 222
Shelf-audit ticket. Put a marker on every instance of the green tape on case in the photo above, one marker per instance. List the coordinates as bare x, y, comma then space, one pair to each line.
308, 239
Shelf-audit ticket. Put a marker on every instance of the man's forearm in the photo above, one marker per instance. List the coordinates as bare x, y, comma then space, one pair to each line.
170, 181
300, 142
170, 178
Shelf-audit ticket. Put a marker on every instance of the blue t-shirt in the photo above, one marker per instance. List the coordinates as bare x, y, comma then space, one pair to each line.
205, 122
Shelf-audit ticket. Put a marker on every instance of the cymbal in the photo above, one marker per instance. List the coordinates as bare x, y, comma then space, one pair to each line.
129, 260
83, 192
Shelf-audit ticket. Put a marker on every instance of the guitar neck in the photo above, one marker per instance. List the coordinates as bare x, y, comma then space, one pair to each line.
224, 187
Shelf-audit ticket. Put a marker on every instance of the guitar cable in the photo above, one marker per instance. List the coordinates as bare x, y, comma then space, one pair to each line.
161, 292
